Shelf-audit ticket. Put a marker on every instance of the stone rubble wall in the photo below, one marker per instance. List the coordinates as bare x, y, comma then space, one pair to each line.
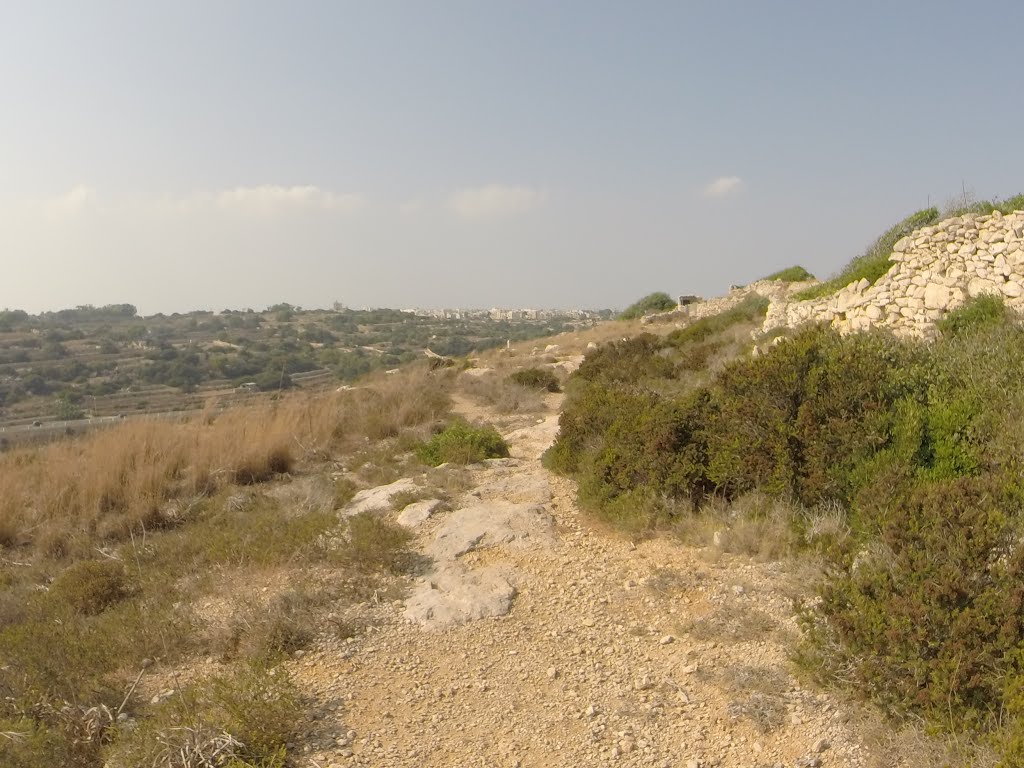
935, 270
774, 290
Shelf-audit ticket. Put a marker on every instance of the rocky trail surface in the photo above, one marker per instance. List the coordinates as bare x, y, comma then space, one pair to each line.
536, 637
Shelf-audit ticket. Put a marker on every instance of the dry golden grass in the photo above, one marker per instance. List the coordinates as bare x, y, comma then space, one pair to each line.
754, 525
63, 499
494, 390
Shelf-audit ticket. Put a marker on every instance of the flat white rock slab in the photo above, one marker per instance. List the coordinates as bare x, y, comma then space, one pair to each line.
378, 498
414, 515
454, 595
490, 524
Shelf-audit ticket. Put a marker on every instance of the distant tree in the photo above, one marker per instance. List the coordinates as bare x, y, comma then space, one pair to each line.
53, 350
36, 384
65, 410
10, 319
273, 380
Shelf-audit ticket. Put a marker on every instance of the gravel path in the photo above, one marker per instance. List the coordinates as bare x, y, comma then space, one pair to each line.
611, 654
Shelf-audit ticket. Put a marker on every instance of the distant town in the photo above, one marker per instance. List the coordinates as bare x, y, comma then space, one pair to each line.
496, 313
499, 313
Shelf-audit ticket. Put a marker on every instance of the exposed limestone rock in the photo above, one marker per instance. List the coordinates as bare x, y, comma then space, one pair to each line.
418, 513
488, 525
453, 594
378, 498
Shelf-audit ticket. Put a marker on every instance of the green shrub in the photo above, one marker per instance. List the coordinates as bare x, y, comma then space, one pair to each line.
536, 378
794, 274
652, 302
653, 448
874, 262
462, 443
632, 360
809, 420
800, 420
65, 410
975, 314
914, 447
926, 615
90, 586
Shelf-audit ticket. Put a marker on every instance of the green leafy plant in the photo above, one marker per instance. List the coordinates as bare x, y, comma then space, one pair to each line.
463, 443
977, 313
536, 378
925, 614
913, 448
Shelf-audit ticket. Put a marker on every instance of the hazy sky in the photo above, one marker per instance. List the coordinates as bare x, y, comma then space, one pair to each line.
208, 155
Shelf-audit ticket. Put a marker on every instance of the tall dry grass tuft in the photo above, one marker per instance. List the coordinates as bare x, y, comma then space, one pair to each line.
390, 404
504, 396
65, 498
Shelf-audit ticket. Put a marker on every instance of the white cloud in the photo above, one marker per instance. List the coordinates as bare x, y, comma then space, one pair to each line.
271, 198
78, 200
494, 200
723, 186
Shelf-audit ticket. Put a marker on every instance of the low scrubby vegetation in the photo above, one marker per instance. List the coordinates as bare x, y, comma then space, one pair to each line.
900, 465
463, 443
652, 302
536, 378
794, 274
110, 544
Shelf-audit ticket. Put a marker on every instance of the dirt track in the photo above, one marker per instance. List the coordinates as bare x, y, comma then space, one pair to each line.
612, 654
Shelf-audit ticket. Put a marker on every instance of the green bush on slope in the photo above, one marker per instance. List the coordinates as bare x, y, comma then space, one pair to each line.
794, 274
536, 378
652, 302
462, 443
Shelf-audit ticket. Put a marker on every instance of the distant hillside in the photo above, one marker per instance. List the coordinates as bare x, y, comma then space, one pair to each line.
106, 361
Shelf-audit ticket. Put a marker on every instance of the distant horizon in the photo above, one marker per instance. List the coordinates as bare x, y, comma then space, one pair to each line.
303, 308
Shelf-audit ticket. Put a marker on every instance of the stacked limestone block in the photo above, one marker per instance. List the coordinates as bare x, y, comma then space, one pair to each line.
935, 270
